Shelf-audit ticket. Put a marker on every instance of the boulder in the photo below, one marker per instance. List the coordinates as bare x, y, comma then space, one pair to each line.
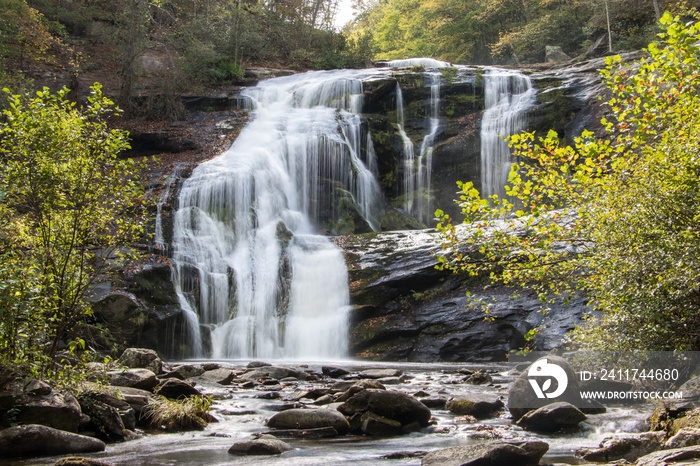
126, 412
38, 440
479, 406
628, 447
37, 388
141, 358
554, 53
123, 313
133, 378
298, 418
552, 418
273, 372
264, 445
321, 432
175, 389
186, 371
488, 454
478, 378
334, 372
379, 373
392, 404
522, 398
105, 420
220, 376
669, 457
379, 426
55, 409
686, 437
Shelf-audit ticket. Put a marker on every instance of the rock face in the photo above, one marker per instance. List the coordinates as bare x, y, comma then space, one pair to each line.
488, 454
38, 440
405, 309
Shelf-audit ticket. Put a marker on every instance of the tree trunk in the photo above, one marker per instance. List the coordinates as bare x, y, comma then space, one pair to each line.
657, 10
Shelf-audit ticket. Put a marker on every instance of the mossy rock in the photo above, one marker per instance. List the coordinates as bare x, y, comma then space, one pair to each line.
396, 219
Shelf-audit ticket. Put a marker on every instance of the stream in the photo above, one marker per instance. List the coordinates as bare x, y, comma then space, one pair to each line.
241, 413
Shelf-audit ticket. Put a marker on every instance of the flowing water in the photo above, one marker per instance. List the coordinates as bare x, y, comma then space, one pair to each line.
508, 97
246, 248
242, 413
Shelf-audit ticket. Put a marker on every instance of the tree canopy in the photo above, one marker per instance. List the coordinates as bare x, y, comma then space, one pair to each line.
617, 218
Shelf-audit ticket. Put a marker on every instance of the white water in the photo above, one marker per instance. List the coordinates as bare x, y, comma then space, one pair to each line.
417, 172
508, 97
246, 252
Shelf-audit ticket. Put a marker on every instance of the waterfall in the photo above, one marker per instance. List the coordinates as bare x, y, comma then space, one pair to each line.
417, 170
246, 253
409, 181
508, 97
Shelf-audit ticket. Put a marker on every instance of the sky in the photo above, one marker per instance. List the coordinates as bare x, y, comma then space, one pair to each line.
344, 15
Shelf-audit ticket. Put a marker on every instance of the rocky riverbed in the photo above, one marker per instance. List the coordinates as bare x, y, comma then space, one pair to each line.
347, 412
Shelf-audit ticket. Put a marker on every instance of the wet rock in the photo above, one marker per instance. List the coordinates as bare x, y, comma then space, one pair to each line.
402, 455
670, 457
392, 404
141, 358
220, 376
342, 386
255, 364
55, 409
434, 403
80, 461
522, 398
186, 371
488, 454
264, 445
320, 432
478, 378
672, 419
39, 440
137, 399
175, 389
479, 406
379, 426
379, 373
314, 394
628, 447
101, 409
552, 418
335, 372
686, 437
269, 395
273, 372
133, 378
309, 419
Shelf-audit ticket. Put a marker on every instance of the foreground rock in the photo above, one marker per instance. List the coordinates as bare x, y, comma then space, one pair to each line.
175, 389
37, 440
552, 418
309, 419
479, 406
38, 403
629, 447
264, 445
407, 411
488, 454
133, 378
141, 358
668, 457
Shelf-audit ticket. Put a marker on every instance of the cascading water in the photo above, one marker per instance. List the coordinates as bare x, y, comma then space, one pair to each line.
417, 170
508, 97
245, 250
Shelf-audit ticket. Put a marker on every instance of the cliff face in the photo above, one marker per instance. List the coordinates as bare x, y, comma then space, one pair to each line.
403, 309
